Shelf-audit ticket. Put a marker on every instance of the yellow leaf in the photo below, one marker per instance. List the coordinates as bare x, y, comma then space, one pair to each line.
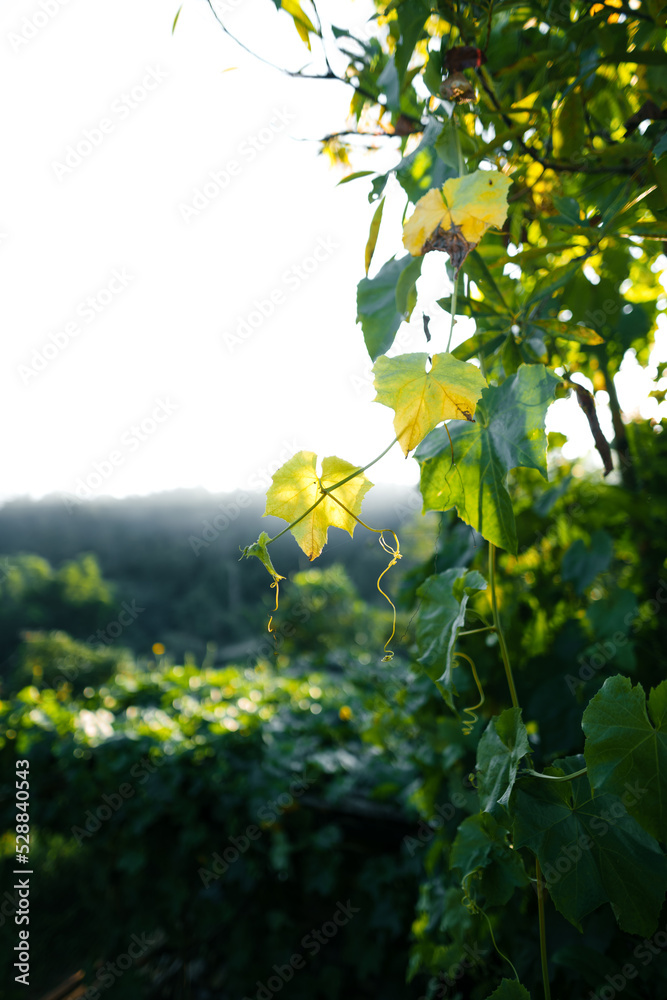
569, 129
455, 217
302, 22
296, 487
422, 399
373, 235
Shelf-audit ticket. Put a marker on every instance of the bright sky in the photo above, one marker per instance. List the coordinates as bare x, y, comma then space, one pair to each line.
179, 266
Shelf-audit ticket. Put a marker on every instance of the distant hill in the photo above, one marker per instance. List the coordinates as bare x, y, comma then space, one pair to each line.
176, 555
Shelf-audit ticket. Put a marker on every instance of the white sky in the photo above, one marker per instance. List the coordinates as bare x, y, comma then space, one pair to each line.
157, 114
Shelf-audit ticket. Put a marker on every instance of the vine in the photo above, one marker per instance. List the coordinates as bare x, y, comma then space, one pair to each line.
536, 203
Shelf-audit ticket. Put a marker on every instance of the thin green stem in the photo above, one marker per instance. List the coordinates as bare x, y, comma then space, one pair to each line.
455, 295
474, 631
486, 917
357, 472
555, 777
498, 627
459, 152
543, 932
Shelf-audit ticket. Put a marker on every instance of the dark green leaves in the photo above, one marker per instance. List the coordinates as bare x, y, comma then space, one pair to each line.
626, 749
590, 850
378, 308
481, 849
503, 744
510, 989
411, 19
443, 605
508, 432
581, 564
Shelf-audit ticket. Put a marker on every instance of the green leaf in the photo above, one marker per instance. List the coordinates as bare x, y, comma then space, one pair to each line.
447, 147
626, 749
373, 235
433, 75
569, 331
508, 432
411, 19
406, 288
355, 176
389, 84
581, 564
475, 267
554, 280
481, 847
178, 14
443, 606
260, 550
569, 133
590, 850
376, 306
504, 742
510, 355
510, 989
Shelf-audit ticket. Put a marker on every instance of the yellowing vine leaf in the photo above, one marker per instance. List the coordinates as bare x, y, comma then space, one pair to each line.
297, 488
423, 399
455, 217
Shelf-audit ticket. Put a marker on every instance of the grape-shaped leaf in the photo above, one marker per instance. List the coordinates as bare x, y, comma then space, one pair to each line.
442, 612
626, 749
481, 847
590, 850
380, 307
297, 488
508, 432
422, 399
510, 989
455, 217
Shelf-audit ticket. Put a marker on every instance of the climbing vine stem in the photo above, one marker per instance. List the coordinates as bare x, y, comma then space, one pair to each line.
498, 628
543, 936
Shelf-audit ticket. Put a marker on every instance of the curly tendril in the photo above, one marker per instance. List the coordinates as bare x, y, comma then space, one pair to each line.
395, 553
276, 585
469, 723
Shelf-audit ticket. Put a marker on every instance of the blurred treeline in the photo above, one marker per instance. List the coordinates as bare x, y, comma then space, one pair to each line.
169, 565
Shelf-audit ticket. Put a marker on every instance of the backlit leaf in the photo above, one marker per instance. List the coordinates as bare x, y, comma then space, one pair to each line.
297, 487
373, 235
422, 399
626, 749
569, 331
508, 432
442, 613
455, 217
302, 22
260, 551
